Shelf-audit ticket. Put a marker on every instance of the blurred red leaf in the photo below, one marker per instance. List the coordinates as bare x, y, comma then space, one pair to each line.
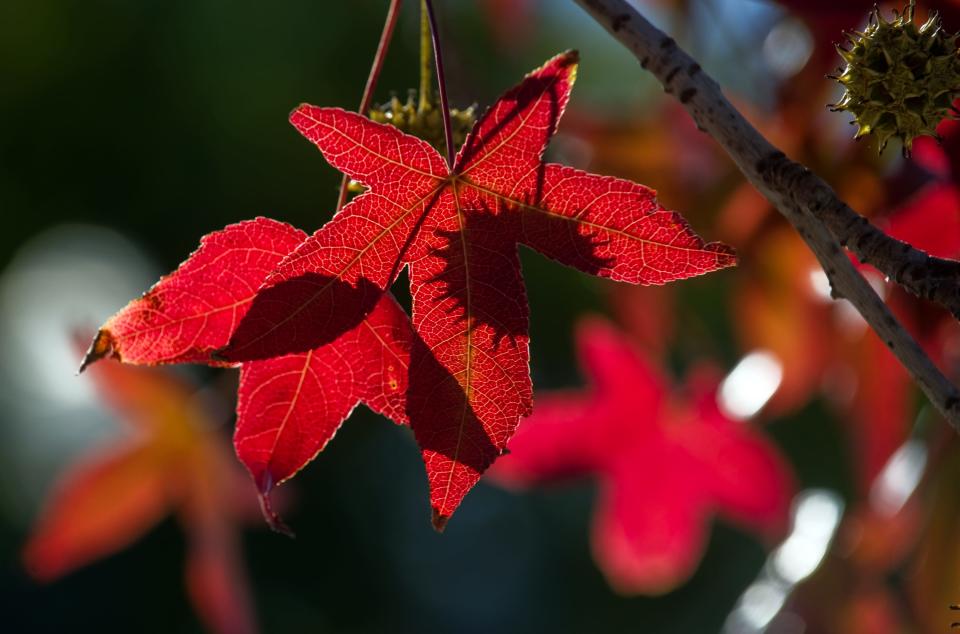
941, 157
290, 406
665, 463
510, 20
871, 610
101, 505
174, 463
457, 228
929, 220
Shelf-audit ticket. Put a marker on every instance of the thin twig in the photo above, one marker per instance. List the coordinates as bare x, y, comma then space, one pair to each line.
426, 77
441, 82
393, 12
810, 205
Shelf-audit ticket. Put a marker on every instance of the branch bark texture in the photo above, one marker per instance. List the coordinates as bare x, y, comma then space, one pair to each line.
823, 220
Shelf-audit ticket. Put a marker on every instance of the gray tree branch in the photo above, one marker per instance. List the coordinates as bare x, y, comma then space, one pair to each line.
812, 207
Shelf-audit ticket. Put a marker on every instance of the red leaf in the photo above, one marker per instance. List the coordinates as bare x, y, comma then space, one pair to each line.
218, 587
458, 229
101, 506
177, 463
192, 312
930, 220
215, 575
289, 406
663, 468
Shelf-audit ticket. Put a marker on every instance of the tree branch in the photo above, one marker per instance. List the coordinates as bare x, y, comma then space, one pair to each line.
932, 278
811, 206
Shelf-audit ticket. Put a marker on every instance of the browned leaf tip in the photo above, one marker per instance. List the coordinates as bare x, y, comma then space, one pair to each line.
101, 346
439, 521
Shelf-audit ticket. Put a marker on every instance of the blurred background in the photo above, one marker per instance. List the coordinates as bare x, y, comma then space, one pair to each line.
133, 128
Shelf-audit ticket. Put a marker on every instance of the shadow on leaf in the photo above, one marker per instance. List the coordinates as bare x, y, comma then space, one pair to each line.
298, 315
446, 426
485, 250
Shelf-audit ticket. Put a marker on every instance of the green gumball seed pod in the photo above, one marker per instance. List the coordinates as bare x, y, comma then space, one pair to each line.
900, 79
422, 118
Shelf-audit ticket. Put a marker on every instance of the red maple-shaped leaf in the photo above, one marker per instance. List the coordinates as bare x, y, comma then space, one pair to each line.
457, 229
665, 464
288, 406
173, 462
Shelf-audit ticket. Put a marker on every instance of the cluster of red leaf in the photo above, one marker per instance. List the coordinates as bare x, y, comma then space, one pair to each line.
171, 461
312, 324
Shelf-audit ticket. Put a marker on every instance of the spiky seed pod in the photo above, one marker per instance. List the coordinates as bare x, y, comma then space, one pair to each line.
900, 79
424, 120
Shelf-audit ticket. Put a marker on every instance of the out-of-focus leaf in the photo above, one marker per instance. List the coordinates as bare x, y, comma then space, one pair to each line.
665, 464
175, 463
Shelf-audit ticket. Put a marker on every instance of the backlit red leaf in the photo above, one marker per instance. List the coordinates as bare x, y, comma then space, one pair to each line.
458, 230
193, 311
289, 406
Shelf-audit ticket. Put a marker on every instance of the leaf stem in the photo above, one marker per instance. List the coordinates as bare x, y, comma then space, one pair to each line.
441, 81
393, 12
426, 79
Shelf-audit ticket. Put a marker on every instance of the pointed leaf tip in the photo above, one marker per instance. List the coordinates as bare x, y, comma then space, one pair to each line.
439, 521
101, 346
